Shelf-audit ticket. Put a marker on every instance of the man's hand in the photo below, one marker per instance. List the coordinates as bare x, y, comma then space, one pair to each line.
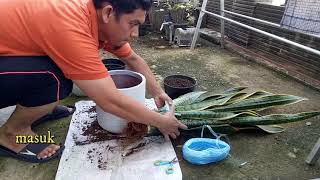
170, 126
161, 98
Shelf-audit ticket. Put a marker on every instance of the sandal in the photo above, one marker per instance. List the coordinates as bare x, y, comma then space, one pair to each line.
29, 153
59, 112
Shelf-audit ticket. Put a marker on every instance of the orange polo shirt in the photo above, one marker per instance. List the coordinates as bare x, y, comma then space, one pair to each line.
64, 30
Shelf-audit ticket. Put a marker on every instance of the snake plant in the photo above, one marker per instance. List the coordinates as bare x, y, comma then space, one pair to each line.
234, 110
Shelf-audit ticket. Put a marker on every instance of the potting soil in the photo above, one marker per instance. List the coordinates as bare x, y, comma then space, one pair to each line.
179, 82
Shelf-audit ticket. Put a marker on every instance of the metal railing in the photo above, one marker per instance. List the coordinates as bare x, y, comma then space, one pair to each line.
252, 18
222, 17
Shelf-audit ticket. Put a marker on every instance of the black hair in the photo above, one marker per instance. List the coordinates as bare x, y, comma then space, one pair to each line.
125, 6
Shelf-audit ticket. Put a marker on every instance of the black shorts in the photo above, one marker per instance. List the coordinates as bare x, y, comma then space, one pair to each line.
31, 81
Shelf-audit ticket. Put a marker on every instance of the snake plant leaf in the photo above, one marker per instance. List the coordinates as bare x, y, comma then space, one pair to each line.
208, 95
206, 103
234, 90
259, 103
191, 123
272, 129
199, 115
187, 98
202, 114
211, 95
252, 120
272, 119
256, 94
254, 113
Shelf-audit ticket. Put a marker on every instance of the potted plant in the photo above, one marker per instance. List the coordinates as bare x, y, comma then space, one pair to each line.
177, 85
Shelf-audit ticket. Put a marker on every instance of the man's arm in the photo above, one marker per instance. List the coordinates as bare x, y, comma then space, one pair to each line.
136, 63
106, 95
73, 49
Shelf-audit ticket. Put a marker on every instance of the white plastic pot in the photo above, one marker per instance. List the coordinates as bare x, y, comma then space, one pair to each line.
130, 83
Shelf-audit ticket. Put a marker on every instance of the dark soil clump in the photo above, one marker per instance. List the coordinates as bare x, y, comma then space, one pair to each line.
95, 133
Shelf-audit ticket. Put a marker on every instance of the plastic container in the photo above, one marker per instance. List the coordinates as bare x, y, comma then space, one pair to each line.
177, 85
130, 83
114, 64
201, 151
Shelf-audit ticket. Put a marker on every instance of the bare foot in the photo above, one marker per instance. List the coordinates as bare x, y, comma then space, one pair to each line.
8, 140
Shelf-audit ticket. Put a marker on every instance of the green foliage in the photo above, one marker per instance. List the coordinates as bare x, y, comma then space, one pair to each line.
188, 8
233, 110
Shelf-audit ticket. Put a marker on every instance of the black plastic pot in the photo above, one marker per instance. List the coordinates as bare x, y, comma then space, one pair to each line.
114, 64
177, 85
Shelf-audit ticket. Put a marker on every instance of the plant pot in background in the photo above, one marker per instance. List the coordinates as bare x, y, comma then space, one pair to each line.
113, 64
177, 85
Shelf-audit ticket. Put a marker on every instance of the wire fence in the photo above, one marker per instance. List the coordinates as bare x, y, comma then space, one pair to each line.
302, 16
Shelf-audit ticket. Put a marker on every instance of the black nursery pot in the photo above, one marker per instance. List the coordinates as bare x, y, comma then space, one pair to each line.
177, 85
114, 64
